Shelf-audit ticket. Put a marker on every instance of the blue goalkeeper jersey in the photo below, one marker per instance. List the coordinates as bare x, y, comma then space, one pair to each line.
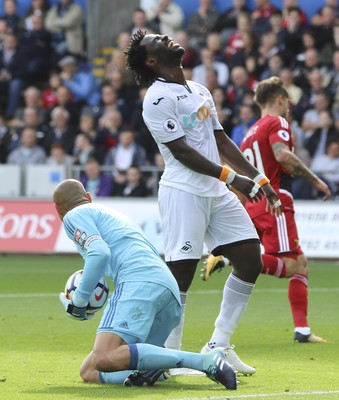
113, 245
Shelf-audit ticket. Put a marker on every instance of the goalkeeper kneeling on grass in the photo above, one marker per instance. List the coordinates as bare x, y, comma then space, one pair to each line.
144, 307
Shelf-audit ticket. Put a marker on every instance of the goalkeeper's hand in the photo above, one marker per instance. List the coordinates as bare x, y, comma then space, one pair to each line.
77, 313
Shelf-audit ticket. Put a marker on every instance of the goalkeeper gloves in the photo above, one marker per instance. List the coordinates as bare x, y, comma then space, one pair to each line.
77, 313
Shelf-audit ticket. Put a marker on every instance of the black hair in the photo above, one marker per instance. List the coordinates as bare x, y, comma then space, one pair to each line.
135, 60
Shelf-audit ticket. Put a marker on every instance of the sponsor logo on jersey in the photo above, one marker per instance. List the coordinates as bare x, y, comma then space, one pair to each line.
186, 248
80, 237
184, 96
190, 121
158, 101
170, 125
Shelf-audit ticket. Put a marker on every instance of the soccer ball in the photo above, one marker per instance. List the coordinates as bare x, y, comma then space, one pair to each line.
98, 297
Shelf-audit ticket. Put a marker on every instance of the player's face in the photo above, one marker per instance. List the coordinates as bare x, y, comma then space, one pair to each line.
285, 107
164, 49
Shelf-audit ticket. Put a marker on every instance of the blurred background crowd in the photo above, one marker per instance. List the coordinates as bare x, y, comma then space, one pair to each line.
57, 107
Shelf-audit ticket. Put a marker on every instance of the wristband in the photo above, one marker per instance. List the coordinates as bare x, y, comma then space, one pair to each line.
277, 204
227, 175
261, 179
254, 191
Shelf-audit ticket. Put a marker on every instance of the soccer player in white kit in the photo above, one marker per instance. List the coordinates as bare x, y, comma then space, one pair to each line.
195, 203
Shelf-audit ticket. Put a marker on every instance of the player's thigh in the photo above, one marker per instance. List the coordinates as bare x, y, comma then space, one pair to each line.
278, 234
132, 310
185, 217
229, 223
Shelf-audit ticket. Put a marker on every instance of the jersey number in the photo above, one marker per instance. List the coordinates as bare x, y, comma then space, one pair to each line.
254, 157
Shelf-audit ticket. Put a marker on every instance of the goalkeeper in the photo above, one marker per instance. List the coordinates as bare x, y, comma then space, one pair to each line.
145, 306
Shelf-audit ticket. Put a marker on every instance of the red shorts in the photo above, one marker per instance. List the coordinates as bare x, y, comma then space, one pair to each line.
277, 235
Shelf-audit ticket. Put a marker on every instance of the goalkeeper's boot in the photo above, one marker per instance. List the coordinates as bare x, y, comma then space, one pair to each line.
212, 264
232, 358
145, 378
216, 367
310, 338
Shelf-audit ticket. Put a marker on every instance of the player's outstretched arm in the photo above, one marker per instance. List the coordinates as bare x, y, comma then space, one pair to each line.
290, 162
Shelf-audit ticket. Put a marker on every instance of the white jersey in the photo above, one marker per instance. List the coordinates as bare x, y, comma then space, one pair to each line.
172, 111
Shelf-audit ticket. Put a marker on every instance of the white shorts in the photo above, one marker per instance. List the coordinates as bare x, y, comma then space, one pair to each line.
189, 221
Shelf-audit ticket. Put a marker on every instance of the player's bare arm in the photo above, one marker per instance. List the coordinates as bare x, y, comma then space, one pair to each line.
195, 161
230, 154
291, 163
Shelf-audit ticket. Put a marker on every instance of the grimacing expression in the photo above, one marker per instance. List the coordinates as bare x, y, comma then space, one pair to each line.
164, 49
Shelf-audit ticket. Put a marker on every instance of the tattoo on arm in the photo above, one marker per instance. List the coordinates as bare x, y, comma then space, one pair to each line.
291, 162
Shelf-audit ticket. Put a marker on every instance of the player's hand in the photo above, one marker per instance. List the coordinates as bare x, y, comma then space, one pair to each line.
321, 186
273, 201
77, 313
247, 187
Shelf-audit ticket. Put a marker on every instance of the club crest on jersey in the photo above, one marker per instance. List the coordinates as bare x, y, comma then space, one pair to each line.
170, 125
284, 135
186, 248
80, 237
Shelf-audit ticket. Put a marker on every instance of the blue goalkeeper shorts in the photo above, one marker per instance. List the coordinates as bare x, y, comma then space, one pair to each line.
141, 312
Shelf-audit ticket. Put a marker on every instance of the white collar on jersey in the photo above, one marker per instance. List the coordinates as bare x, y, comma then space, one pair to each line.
164, 80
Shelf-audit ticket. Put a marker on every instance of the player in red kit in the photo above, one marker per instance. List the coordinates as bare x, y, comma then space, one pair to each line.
268, 145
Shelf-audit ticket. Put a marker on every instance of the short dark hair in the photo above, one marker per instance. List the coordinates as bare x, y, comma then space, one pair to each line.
268, 90
135, 60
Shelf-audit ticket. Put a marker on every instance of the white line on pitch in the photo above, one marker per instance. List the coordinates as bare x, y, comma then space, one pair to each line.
262, 395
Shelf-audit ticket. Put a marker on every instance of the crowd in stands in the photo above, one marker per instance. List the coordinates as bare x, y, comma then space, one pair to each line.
54, 110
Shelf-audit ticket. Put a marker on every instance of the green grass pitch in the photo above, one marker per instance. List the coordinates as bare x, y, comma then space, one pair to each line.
41, 349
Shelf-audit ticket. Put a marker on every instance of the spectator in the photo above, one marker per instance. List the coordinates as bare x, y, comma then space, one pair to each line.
139, 21
5, 140
81, 83
214, 43
247, 119
117, 62
317, 18
167, 15
324, 133
142, 133
292, 36
191, 55
83, 149
236, 40
200, 23
224, 112
109, 127
122, 41
65, 21
249, 49
109, 102
36, 45
49, 95
274, 67
11, 16
261, 16
12, 74
226, 23
59, 131
38, 8
28, 152
96, 182
127, 152
64, 100
208, 61
294, 92
287, 5
58, 156
277, 27
268, 47
3, 31
334, 82
326, 166
240, 85
32, 99
135, 185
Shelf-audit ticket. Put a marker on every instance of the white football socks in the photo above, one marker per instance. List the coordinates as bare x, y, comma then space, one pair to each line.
235, 299
174, 339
